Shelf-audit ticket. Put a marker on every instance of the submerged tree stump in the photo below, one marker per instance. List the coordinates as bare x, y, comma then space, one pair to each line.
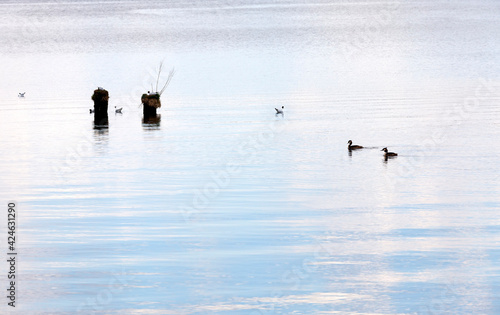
100, 98
150, 102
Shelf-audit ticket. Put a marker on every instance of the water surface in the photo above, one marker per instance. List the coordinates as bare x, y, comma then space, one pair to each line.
224, 207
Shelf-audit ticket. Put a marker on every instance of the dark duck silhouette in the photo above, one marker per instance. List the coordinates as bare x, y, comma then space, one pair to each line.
280, 111
351, 147
388, 154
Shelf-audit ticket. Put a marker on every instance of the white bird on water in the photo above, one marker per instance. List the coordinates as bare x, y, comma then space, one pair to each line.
118, 110
21, 94
280, 111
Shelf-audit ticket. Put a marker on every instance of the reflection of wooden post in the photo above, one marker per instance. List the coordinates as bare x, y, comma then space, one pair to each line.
100, 98
150, 102
151, 122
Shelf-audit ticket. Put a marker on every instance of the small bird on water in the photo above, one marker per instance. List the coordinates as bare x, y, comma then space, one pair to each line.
351, 147
21, 94
91, 110
387, 153
280, 111
118, 110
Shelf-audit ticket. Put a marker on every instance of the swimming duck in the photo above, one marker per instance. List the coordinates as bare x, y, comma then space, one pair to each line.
118, 110
280, 111
353, 147
387, 153
91, 110
21, 94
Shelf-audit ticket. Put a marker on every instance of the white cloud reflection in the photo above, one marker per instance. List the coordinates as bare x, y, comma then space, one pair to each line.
262, 303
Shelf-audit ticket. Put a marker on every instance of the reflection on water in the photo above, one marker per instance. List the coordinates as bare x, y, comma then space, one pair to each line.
101, 125
101, 139
151, 123
226, 208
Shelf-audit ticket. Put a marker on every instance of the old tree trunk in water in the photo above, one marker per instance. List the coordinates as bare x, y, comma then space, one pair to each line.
150, 103
100, 98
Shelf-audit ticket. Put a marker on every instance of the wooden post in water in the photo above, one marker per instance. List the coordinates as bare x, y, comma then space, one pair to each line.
150, 102
100, 98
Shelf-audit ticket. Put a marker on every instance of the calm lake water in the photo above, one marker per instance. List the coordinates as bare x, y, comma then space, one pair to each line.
225, 208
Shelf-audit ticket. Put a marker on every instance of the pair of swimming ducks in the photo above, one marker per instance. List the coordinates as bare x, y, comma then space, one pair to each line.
351, 147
